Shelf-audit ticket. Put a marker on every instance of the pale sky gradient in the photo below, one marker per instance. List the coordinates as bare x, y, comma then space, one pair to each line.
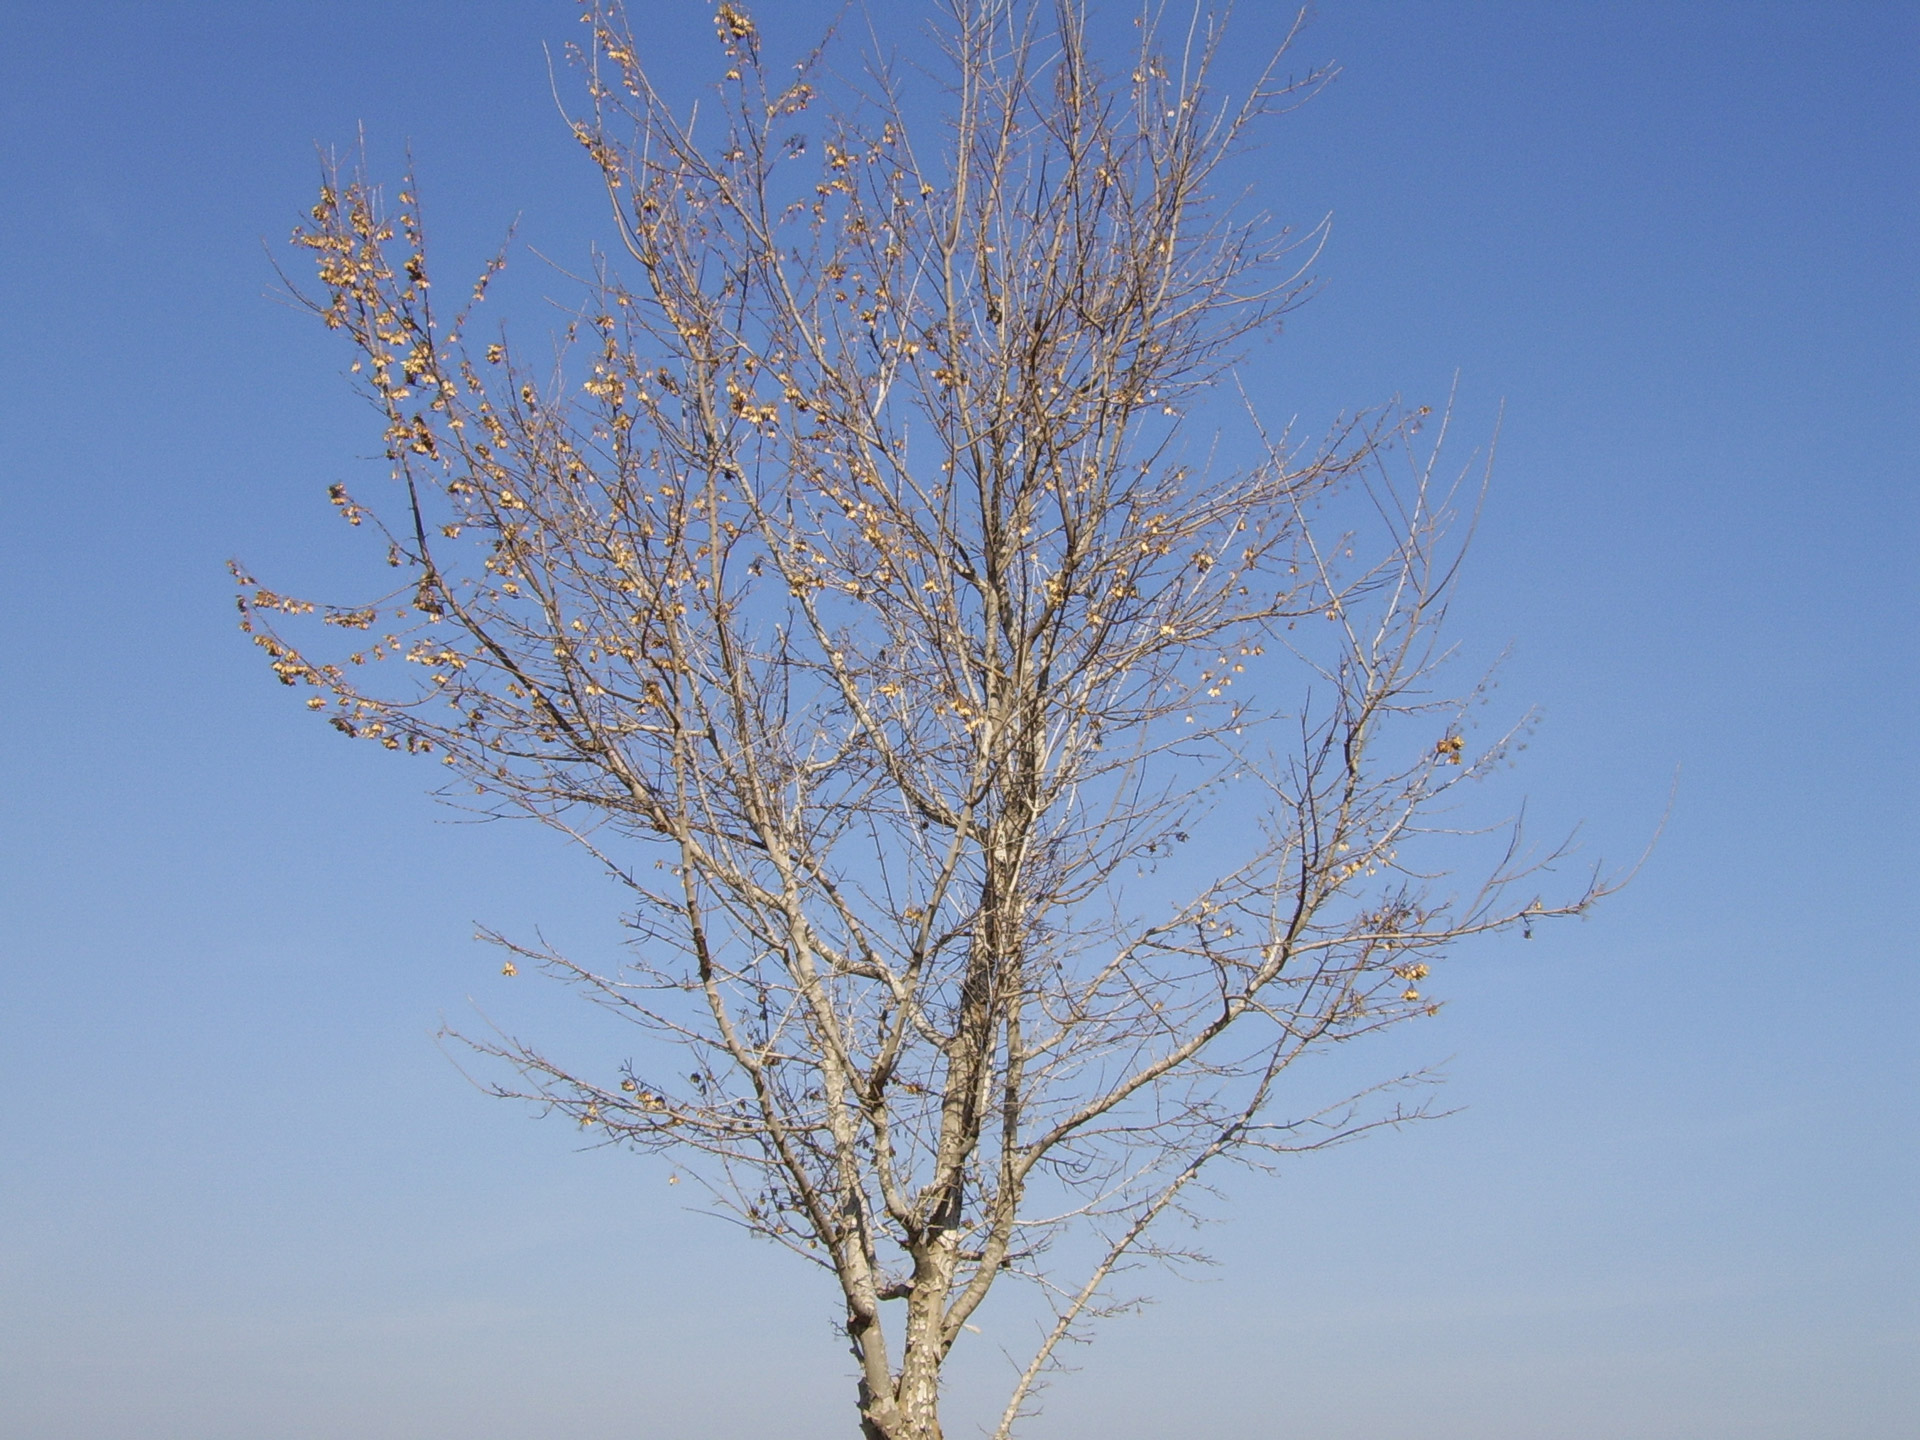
244, 1196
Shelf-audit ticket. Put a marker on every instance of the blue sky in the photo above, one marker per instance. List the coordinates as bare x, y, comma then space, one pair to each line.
244, 1195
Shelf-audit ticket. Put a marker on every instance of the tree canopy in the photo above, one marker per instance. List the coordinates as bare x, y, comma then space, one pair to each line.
1011, 778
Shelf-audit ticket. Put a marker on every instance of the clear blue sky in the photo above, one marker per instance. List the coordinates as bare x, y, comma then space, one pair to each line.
243, 1196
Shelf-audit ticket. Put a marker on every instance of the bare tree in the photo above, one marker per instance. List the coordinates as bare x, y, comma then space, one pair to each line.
852, 592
